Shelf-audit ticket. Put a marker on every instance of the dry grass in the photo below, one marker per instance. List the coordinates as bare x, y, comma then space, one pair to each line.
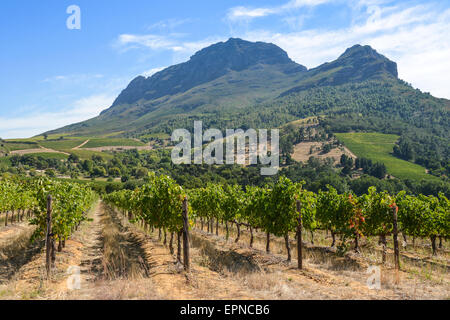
122, 255
427, 281
122, 261
14, 238
119, 289
16, 249
302, 152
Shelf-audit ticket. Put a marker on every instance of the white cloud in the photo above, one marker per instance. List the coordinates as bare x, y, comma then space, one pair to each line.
35, 123
129, 41
55, 78
91, 106
151, 72
168, 24
72, 78
181, 49
304, 3
417, 38
249, 13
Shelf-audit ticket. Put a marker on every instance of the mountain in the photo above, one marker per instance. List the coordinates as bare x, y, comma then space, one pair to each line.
228, 75
238, 83
356, 64
207, 65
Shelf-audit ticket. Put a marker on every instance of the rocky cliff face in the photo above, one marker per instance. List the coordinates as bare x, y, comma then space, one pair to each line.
206, 65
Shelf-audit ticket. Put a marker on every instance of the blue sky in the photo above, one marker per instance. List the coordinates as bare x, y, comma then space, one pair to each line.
52, 76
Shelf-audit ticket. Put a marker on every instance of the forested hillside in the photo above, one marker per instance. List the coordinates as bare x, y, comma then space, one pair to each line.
241, 84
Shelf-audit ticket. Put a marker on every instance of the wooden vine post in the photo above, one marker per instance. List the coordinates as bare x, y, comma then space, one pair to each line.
186, 235
179, 246
48, 236
395, 236
299, 235
384, 244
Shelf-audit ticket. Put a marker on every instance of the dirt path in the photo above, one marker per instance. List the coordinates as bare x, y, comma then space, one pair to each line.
81, 145
118, 260
39, 150
110, 261
83, 251
91, 252
112, 148
121, 261
119, 148
167, 278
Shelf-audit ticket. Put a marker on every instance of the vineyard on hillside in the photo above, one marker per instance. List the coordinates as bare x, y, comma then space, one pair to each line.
36, 198
274, 210
158, 230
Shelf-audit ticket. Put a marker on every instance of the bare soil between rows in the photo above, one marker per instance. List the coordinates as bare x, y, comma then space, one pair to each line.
119, 260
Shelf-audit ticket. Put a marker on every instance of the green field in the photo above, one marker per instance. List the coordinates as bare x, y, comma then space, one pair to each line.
96, 143
61, 144
20, 145
378, 147
67, 143
87, 154
50, 143
5, 161
44, 155
47, 155
160, 135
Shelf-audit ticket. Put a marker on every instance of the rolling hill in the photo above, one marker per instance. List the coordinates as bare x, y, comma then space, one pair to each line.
228, 77
242, 84
231, 75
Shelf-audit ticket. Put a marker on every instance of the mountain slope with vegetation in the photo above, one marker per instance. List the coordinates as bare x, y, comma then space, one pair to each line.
225, 76
241, 84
